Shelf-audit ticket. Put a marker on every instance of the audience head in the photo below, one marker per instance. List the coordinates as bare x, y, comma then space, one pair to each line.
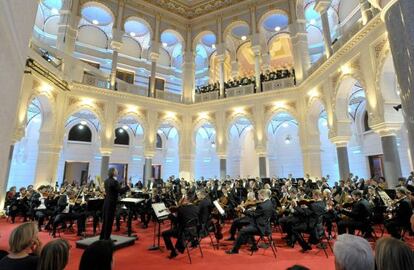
391, 253
54, 255
103, 250
297, 267
24, 239
317, 194
353, 253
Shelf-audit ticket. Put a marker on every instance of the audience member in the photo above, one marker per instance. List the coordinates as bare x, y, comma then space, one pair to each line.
54, 255
353, 253
24, 247
391, 253
297, 267
102, 249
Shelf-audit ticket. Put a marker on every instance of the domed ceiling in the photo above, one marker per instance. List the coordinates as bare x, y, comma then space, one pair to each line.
193, 8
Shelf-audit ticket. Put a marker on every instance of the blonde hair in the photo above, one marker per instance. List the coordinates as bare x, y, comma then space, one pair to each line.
54, 255
23, 237
391, 253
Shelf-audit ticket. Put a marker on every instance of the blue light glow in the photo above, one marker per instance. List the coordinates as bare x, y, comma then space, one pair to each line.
57, 4
92, 13
136, 27
169, 38
241, 30
208, 39
275, 20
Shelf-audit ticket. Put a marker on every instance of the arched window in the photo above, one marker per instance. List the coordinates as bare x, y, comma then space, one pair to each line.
366, 122
158, 144
121, 137
80, 133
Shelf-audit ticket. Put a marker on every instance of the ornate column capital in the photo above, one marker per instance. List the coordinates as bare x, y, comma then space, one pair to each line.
105, 151
386, 129
340, 141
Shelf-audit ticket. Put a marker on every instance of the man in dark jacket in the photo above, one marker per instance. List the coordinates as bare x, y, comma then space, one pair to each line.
112, 191
260, 224
186, 217
403, 212
359, 216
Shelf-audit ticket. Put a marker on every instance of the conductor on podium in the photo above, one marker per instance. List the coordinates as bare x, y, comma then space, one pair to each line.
112, 191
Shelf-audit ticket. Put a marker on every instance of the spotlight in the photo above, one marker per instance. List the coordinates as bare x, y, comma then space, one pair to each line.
288, 140
83, 123
398, 107
213, 46
120, 130
277, 28
164, 44
81, 127
285, 125
95, 22
132, 34
125, 127
243, 38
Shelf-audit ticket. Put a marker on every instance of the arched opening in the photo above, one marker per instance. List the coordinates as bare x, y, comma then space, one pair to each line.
205, 45
206, 159
80, 158
283, 146
25, 153
167, 158
242, 159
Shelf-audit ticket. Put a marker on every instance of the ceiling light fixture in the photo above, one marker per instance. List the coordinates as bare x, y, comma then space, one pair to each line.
81, 127
243, 38
277, 28
54, 11
83, 123
164, 44
125, 127
95, 22
213, 46
132, 34
313, 21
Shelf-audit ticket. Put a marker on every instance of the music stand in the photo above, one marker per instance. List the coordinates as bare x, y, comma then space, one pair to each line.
161, 214
131, 204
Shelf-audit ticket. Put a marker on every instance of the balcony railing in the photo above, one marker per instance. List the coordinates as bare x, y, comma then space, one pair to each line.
96, 81
208, 96
241, 90
278, 84
173, 97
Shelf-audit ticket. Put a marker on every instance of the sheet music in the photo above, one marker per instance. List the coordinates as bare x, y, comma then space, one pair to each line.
160, 210
219, 208
132, 200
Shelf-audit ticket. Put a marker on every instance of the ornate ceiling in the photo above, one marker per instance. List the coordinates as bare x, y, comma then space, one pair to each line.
193, 8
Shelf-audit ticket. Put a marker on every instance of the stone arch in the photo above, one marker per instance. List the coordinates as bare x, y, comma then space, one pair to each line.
234, 118
200, 123
100, 4
141, 20
315, 108
278, 110
199, 35
233, 24
271, 12
137, 116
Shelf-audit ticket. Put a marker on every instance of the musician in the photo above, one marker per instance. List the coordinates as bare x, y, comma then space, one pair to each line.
260, 224
240, 222
312, 221
205, 206
359, 216
403, 211
112, 191
186, 213
20, 205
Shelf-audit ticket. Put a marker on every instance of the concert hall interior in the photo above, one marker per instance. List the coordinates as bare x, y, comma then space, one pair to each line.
206, 134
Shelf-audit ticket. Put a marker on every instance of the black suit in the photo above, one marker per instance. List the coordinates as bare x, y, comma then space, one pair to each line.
260, 225
112, 190
185, 214
401, 220
360, 217
205, 207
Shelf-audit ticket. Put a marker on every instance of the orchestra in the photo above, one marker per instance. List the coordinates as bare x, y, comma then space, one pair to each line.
248, 206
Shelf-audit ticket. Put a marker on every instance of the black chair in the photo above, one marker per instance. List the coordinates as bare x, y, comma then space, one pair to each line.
267, 239
191, 236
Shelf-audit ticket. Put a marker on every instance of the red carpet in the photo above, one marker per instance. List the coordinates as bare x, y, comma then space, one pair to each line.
138, 257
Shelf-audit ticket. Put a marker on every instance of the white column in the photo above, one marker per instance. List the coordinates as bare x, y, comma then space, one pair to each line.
154, 58
257, 53
116, 46
326, 34
186, 149
15, 33
116, 42
188, 77
220, 59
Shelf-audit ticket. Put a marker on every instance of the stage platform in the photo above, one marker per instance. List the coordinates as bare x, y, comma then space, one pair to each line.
121, 241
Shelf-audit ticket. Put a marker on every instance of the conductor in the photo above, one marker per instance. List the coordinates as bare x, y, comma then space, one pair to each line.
112, 190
